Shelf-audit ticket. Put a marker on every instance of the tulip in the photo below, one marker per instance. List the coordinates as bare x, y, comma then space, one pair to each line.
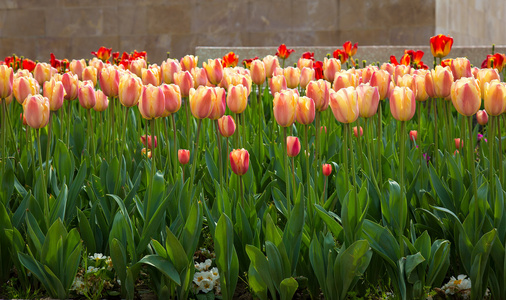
219, 103
97, 63
368, 100
137, 65
103, 53
189, 62
151, 75
406, 80
389, 67
168, 69
438, 82
109, 81
440, 45
421, 93
292, 146
401, 70
484, 76
292, 76
201, 102
381, 80
239, 161
278, 71
36, 111
355, 131
327, 169
77, 67
22, 87
402, 103
344, 105
148, 154
343, 80
305, 110
55, 92
149, 141
214, 70
367, 73
43, 72
90, 73
285, 107
284, 52
482, 117
86, 94
319, 92
330, 67
413, 134
306, 75
185, 82
304, 63
459, 143
129, 90
102, 101
226, 126
172, 95
271, 63
465, 94
258, 74
494, 97
461, 67
199, 77
277, 83
183, 156
152, 102
237, 98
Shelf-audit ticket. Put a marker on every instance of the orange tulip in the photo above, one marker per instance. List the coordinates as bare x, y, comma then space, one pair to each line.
284, 52
168, 69
355, 131
226, 126
292, 146
277, 84
239, 161
183, 156
109, 81
214, 71
305, 110
368, 100
292, 76
90, 73
344, 79
77, 67
149, 141
36, 111
103, 53
438, 82
306, 75
459, 143
189, 62
55, 92
185, 82
237, 98
344, 105
440, 45
484, 76
6, 81
350, 51
43, 72
152, 102
151, 75
129, 90
319, 91
230, 60
381, 80
285, 107
271, 63
220, 103
172, 95
327, 170
258, 74
22, 87
494, 97
465, 94
482, 117
86, 94
201, 101
461, 67
330, 67
102, 101
402, 103
413, 134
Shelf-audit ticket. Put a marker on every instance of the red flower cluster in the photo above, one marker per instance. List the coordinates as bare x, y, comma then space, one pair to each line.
247, 62
230, 60
410, 58
16, 63
126, 59
283, 52
103, 53
348, 51
496, 61
59, 64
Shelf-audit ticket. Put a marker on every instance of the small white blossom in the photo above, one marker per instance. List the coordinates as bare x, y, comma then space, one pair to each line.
92, 269
97, 257
461, 285
205, 286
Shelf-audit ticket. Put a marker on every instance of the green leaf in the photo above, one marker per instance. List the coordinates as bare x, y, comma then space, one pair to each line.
412, 261
287, 288
163, 265
479, 267
86, 232
332, 224
349, 264
441, 190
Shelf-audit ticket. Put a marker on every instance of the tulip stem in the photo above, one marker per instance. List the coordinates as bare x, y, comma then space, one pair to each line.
473, 173
226, 168
4, 133
122, 147
359, 139
419, 134
44, 189
436, 148
324, 196
174, 155
450, 119
306, 157
345, 152
402, 147
153, 158
168, 157
368, 146
352, 156
9, 127
491, 141
69, 111
380, 142
196, 153
446, 124
500, 151
293, 179
241, 193
238, 135
49, 138
287, 180
220, 159
317, 154
188, 133
91, 148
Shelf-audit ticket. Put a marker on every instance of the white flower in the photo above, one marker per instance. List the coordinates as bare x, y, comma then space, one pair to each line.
205, 286
108, 262
462, 283
97, 257
207, 263
92, 269
215, 273
198, 277
79, 286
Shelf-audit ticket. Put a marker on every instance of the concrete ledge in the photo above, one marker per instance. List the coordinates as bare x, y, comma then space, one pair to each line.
476, 54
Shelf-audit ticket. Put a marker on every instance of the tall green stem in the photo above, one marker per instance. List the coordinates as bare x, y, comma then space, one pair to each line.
122, 148
447, 125
188, 133
369, 156
402, 147
471, 163
241, 192
174, 152
380, 142
306, 157
491, 142
44, 189
91, 146
346, 147
317, 148
168, 157
436, 149
500, 150
352, 156
220, 154
69, 111
287, 170
153, 158
359, 141
49, 138
196, 153
4, 133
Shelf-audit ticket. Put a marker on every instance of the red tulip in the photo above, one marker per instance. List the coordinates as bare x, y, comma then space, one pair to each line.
239, 161
283, 52
183, 156
440, 45
292, 146
327, 169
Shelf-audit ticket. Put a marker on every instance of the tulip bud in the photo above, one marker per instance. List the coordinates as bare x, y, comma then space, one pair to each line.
330, 67
214, 70
278, 71
413, 134
54, 91
465, 94
226, 125
137, 65
185, 82
285, 107
344, 105
420, 92
183, 156
344, 79
97, 63
257, 72
109, 81
172, 95
22, 87
292, 76
201, 102
327, 169
219, 105
102, 101
271, 63
484, 76
494, 93
239, 161
199, 77
440, 45
237, 98
319, 91
292, 146
277, 83
151, 75
306, 75
461, 67
438, 82
90, 73
43, 72
381, 80
368, 100
482, 117
77, 67
402, 103
459, 143
129, 90
305, 110
86, 94
189, 62
149, 141
304, 63
36, 111
355, 131
152, 102
168, 69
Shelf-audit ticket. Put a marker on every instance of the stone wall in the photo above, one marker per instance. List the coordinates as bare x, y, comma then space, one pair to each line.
74, 28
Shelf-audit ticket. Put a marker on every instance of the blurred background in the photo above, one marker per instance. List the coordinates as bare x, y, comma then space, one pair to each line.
73, 28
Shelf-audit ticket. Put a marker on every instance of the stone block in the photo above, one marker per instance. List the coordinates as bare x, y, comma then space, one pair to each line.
68, 22
22, 23
81, 47
133, 20
167, 19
